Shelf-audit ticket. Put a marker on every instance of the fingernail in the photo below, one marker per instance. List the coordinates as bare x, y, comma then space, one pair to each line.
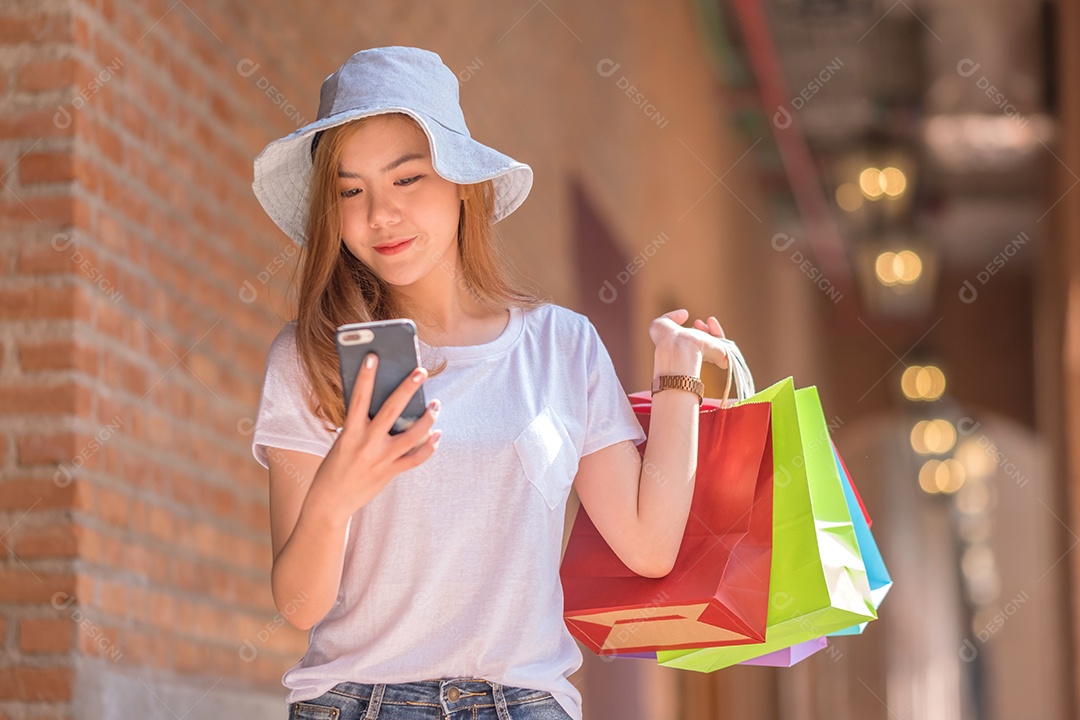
369, 362
435, 405
418, 375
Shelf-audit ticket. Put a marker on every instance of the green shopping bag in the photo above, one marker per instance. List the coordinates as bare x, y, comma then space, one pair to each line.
818, 582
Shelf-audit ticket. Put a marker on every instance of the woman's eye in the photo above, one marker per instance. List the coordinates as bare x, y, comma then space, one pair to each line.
350, 192
410, 181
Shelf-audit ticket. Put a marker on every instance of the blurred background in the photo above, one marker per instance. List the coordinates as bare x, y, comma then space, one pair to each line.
877, 197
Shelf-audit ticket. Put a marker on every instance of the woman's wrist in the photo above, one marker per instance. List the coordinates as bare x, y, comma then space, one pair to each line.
677, 358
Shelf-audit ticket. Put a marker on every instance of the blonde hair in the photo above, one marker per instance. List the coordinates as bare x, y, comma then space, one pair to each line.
336, 288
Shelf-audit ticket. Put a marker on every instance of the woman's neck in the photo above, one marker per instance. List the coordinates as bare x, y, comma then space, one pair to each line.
467, 330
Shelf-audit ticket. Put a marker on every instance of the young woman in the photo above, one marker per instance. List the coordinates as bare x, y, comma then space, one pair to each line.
426, 572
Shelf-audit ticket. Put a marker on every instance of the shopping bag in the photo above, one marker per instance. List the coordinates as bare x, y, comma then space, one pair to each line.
717, 591
818, 581
785, 657
876, 574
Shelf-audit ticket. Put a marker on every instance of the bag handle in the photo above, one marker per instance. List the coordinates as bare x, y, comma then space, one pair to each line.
737, 371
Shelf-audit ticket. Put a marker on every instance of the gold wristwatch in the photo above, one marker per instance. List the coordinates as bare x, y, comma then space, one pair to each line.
682, 382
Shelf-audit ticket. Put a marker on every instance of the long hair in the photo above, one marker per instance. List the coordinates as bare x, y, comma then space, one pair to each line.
336, 288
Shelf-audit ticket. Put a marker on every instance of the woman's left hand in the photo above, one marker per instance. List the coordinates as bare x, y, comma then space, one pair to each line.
669, 336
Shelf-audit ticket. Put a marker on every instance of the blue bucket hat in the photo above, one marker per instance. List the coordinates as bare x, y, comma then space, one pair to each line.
407, 80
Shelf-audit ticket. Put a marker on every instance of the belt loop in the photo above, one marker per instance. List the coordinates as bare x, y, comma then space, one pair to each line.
376, 702
500, 701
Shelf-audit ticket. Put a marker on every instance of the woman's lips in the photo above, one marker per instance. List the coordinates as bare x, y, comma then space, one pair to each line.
394, 249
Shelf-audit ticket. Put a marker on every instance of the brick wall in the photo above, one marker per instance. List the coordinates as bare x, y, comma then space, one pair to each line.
135, 529
142, 284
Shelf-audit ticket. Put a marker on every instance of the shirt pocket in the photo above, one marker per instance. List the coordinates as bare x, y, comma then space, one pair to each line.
548, 456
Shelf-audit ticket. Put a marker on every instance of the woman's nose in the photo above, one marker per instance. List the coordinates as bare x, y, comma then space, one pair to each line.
381, 211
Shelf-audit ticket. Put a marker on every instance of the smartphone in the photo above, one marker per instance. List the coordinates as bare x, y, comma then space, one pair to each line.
396, 345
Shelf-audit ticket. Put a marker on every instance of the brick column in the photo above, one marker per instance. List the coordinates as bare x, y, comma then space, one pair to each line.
134, 551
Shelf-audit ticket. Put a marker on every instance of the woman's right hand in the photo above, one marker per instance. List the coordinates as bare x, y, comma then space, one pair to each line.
365, 457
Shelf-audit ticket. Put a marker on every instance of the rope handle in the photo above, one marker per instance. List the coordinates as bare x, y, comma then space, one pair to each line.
737, 371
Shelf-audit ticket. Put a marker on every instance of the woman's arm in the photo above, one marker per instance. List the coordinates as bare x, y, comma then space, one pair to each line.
313, 499
640, 505
666, 484
308, 538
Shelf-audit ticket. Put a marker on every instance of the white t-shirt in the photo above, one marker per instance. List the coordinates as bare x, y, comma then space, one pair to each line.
453, 569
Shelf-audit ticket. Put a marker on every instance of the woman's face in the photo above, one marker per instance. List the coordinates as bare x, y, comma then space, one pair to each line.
390, 192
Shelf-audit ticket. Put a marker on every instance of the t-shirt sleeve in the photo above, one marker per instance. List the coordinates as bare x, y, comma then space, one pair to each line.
611, 418
284, 419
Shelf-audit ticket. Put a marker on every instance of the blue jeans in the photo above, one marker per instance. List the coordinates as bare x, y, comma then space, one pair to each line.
447, 699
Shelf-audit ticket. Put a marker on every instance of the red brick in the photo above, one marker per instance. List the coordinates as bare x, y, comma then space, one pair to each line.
114, 321
44, 302
223, 502
36, 29
162, 610
46, 635
47, 449
47, 74
42, 494
111, 550
57, 355
59, 540
41, 167
110, 145
187, 656
80, 32
18, 585
111, 415
35, 683
91, 546
107, 54
44, 258
161, 524
137, 559
134, 120
49, 122
113, 507
111, 234
65, 398
57, 210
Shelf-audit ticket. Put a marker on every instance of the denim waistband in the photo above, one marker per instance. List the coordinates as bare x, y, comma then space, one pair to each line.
450, 694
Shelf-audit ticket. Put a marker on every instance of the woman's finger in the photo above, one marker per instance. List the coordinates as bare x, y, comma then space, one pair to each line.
714, 326
674, 315
363, 389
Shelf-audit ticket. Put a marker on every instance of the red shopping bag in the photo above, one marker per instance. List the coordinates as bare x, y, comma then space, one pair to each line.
717, 592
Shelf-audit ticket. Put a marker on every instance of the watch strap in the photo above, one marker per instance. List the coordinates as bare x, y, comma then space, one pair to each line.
679, 382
